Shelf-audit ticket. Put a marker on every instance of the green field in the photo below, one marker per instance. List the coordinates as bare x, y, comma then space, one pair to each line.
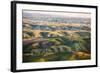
68, 47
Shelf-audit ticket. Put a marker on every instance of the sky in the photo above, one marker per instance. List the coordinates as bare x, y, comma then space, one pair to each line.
65, 14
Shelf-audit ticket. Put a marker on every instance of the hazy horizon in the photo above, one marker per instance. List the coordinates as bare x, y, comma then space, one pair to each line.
62, 14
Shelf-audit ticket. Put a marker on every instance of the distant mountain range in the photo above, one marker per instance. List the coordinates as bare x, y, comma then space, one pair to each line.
55, 18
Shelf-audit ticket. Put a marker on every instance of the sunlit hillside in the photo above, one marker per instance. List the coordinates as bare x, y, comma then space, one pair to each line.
55, 38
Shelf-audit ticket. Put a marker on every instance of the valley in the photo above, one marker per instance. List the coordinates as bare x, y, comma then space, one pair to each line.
55, 38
